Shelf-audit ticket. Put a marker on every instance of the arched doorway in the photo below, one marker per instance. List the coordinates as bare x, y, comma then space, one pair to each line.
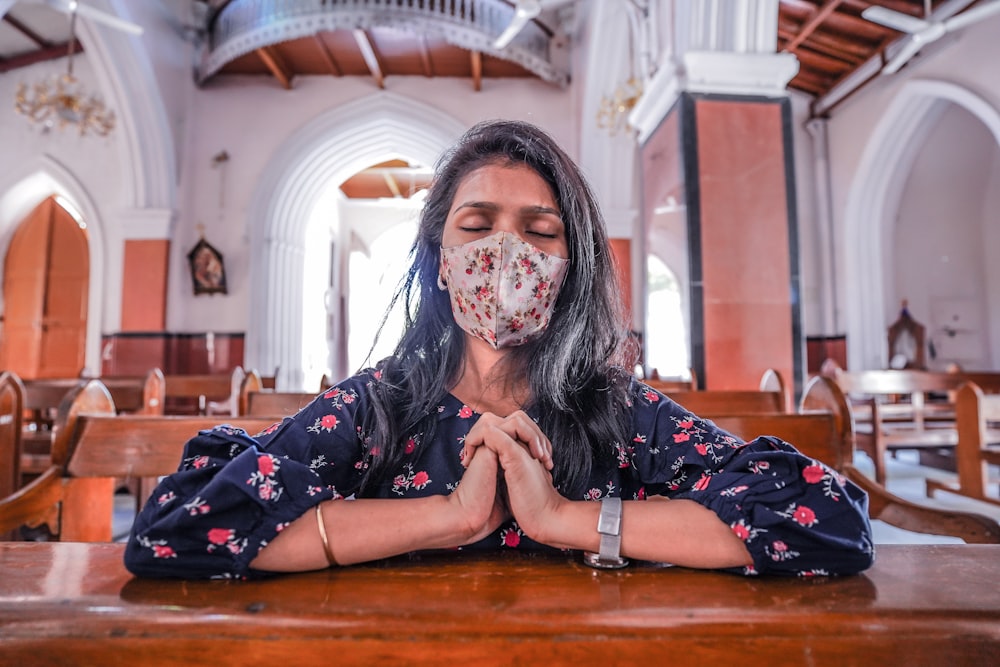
45, 288
286, 238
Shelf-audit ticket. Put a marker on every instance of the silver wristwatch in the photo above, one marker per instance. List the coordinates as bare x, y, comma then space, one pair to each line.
609, 525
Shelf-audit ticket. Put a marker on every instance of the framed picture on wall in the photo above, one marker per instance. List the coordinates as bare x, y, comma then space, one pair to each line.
208, 273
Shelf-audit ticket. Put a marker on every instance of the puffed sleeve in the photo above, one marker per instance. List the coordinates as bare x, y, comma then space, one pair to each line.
233, 493
795, 514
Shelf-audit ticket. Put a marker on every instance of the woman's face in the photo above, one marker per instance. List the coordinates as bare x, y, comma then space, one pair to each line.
506, 198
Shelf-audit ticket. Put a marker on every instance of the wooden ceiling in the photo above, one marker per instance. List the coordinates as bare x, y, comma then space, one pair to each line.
829, 37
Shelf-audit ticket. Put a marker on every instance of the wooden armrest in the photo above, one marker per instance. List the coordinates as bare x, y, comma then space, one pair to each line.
32, 502
883, 505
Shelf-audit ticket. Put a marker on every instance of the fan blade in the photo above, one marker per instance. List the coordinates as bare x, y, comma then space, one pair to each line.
977, 13
909, 49
96, 15
895, 20
524, 12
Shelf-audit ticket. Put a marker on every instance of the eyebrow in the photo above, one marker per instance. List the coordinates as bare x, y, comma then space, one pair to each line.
490, 206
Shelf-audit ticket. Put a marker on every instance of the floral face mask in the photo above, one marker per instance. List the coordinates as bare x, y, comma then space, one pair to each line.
503, 290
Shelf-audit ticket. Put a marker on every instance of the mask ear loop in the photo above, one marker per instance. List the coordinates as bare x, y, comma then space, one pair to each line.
442, 285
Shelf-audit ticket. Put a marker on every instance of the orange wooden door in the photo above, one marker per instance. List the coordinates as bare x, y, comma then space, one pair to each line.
46, 280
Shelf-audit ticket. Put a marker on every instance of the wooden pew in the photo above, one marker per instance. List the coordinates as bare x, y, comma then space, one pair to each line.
824, 395
977, 447
256, 400
891, 411
92, 447
200, 394
11, 414
724, 401
42, 397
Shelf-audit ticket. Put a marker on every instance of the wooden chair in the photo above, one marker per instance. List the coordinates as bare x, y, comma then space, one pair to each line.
823, 394
977, 447
195, 394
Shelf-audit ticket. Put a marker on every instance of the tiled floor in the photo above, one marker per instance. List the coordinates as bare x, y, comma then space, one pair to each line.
906, 479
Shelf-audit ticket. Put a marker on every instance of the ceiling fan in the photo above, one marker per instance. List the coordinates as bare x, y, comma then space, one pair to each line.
524, 11
926, 30
74, 6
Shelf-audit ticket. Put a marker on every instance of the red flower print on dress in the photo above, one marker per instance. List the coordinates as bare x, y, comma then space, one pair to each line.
271, 429
511, 537
592, 494
225, 538
325, 423
197, 506
686, 424
651, 396
804, 516
813, 473
465, 412
410, 480
163, 551
702, 483
220, 535
741, 531
264, 478
682, 437
265, 464
410, 446
701, 448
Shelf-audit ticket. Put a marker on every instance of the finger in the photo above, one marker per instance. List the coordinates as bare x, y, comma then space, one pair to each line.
523, 428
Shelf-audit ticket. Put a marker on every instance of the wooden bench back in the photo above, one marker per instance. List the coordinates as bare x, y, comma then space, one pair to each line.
816, 434
276, 403
215, 392
92, 446
896, 382
141, 445
724, 401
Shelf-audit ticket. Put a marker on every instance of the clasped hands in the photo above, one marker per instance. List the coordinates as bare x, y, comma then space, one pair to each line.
508, 463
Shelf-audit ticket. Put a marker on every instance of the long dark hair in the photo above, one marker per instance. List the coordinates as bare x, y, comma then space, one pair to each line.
575, 370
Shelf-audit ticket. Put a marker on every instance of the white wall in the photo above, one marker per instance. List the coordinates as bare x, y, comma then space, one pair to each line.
965, 65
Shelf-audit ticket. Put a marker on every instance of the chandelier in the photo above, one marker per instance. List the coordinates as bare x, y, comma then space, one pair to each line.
614, 109
60, 101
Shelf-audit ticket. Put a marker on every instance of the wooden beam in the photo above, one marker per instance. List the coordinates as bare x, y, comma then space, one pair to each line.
814, 22
477, 70
276, 64
324, 51
27, 32
42, 55
371, 58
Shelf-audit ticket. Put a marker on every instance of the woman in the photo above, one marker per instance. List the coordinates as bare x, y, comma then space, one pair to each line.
503, 412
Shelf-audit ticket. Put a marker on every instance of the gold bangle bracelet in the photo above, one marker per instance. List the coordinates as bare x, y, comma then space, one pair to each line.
322, 535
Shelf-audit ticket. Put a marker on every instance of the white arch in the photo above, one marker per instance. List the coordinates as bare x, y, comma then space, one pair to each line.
33, 182
326, 151
875, 191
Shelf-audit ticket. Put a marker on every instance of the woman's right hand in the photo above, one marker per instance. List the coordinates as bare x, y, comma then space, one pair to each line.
478, 504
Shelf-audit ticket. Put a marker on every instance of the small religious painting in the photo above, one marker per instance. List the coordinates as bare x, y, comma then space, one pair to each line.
207, 269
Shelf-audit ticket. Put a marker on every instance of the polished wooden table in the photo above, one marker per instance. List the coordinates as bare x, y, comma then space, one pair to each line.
72, 603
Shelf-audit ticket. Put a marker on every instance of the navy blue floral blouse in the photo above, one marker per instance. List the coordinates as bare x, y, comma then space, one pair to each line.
233, 493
